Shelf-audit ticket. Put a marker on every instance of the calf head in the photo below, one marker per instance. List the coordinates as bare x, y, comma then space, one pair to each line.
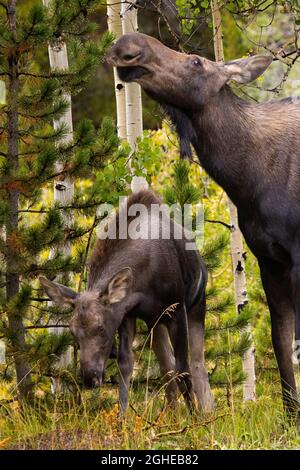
185, 81
96, 317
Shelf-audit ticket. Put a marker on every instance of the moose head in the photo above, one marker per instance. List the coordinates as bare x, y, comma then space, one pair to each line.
96, 317
186, 81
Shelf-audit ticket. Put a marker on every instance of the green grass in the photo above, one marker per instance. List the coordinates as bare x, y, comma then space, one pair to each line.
93, 423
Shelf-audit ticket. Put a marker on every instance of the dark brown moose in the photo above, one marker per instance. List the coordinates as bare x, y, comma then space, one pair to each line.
140, 278
252, 150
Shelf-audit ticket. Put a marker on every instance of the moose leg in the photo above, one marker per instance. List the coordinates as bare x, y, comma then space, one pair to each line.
196, 316
277, 286
163, 351
295, 277
125, 359
178, 332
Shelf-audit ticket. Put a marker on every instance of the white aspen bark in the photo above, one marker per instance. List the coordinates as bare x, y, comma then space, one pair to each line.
236, 239
2, 93
115, 26
134, 115
240, 290
63, 189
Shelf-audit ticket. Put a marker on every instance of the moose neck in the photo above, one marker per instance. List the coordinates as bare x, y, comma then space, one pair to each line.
222, 135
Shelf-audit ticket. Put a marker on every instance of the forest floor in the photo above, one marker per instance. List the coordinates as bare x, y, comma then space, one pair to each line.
92, 422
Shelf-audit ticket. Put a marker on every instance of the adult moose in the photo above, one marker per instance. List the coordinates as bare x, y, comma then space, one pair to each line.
142, 276
251, 150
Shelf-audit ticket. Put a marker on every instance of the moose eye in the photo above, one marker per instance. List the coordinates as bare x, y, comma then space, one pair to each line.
196, 62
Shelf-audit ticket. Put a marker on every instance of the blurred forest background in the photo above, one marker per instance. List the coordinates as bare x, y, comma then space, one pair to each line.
54, 412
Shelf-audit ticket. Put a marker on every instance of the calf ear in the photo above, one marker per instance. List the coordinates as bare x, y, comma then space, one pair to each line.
119, 286
61, 295
247, 70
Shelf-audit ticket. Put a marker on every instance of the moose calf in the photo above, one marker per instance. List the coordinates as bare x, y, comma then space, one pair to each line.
141, 278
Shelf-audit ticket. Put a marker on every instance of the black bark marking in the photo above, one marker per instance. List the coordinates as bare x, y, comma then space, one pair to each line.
241, 306
239, 267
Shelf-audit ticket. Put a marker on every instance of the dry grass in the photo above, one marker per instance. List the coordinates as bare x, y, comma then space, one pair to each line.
62, 423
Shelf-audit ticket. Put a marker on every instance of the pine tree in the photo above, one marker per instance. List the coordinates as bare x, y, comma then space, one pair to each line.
226, 342
30, 160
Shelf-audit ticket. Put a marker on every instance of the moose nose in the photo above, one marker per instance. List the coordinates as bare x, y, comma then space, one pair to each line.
119, 56
111, 57
92, 379
129, 57
95, 382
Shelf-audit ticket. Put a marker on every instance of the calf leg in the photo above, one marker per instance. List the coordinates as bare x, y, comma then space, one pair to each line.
114, 351
196, 316
277, 286
163, 351
179, 337
125, 359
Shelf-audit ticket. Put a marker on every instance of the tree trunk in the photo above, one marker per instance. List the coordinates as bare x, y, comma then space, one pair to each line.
238, 262
115, 26
2, 93
2, 228
240, 290
15, 321
134, 115
63, 189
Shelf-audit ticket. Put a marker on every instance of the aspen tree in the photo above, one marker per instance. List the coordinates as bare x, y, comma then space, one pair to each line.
134, 115
115, 26
63, 189
236, 239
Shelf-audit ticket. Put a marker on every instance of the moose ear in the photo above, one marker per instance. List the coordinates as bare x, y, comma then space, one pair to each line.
119, 286
247, 70
61, 295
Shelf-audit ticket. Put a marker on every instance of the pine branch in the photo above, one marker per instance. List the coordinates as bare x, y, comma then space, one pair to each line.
33, 211
219, 222
44, 327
